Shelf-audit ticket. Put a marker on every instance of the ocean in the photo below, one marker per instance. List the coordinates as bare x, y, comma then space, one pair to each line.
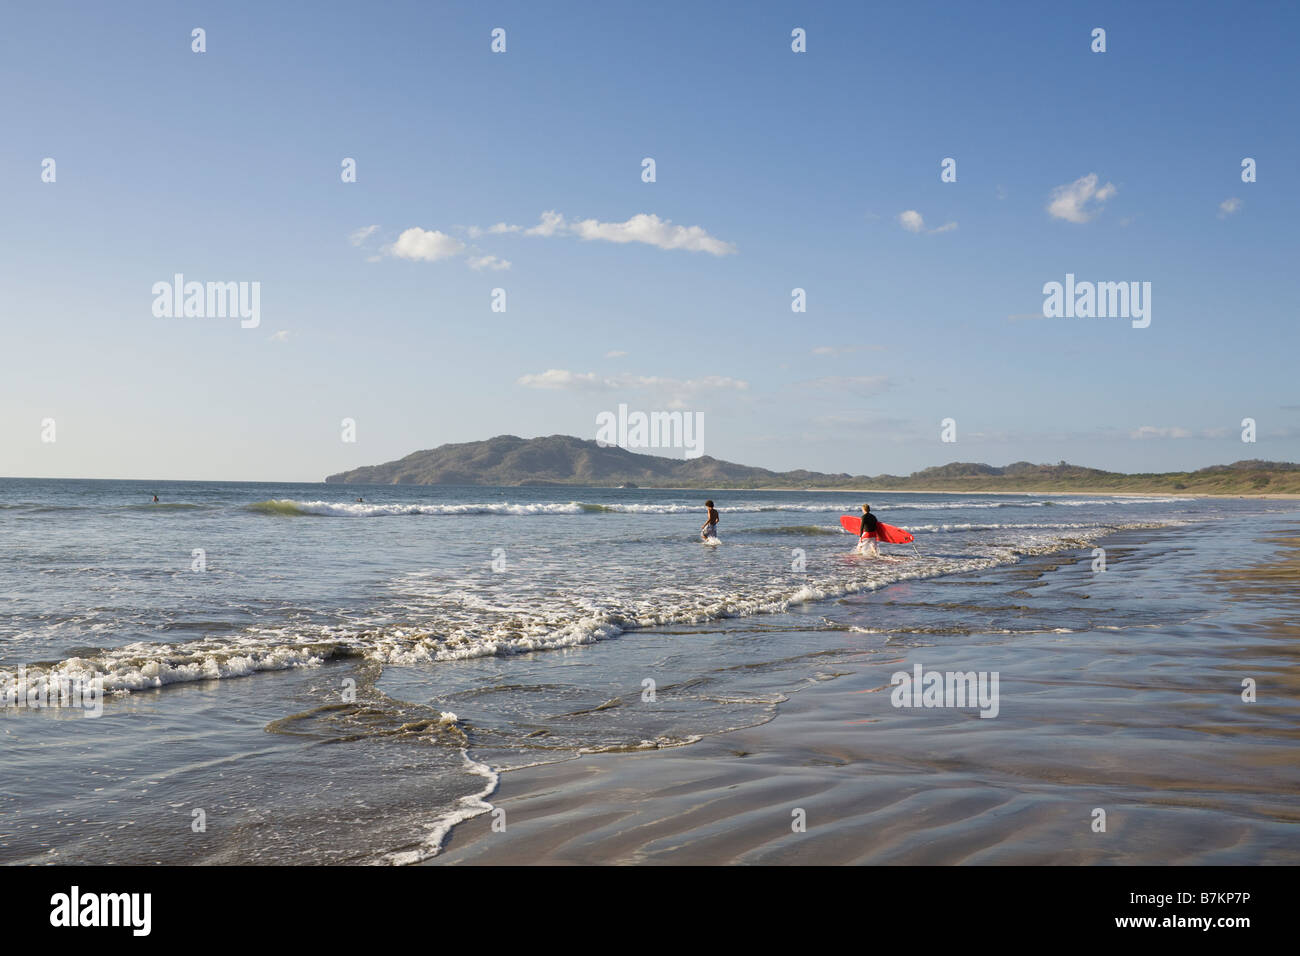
293, 676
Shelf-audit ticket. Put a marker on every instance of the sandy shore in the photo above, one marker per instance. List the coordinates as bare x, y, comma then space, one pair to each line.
1144, 723
950, 788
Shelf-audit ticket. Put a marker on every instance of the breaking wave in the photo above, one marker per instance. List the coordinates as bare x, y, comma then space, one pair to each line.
451, 620
291, 507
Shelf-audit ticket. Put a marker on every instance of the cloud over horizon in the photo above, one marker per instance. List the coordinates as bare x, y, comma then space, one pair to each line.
861, 385
1173, 431
674, 391
845, 349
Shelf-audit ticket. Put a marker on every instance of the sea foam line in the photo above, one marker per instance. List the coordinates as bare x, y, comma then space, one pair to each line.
344, 509
468, 807
144, 666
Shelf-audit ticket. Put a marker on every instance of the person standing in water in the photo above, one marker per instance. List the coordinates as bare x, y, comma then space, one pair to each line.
710, 529
868, 535
155, 499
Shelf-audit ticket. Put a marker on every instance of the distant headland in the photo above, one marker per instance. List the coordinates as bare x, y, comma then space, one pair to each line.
564, 460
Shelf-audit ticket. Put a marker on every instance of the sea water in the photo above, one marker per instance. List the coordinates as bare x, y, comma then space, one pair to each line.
292, 675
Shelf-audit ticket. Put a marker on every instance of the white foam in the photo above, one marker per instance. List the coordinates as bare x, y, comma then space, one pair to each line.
347, 509
468, 807
430, 618
364, 510
142, 666
1038, 503
389, 509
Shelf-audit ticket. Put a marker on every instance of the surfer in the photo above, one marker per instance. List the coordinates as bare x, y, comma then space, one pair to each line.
868, 535
710, 529
155, 499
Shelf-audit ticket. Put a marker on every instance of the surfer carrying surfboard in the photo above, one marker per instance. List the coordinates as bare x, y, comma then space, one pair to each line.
869, 533
870, 530
710, 528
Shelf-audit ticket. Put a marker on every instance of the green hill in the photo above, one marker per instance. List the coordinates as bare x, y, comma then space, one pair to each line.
564, 460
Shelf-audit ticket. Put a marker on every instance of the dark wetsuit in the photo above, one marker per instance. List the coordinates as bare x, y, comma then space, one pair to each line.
869, 523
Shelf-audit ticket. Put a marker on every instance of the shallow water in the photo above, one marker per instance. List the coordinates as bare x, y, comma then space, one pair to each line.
482, 629
1144, 723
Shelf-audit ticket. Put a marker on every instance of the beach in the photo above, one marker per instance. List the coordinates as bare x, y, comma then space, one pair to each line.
455, 675
1186, 771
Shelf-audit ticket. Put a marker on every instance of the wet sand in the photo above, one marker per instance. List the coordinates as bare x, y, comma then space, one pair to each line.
1147, 724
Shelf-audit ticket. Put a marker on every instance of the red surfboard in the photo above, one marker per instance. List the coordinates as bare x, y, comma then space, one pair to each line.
885, 532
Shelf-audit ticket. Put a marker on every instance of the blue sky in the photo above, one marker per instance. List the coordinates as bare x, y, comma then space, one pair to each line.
785, 170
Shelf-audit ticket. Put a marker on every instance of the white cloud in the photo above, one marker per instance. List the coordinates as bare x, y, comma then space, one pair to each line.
498, 229
281, 336
426, 245
688, 384
552, 222
645, 228
1156, 432
652, 231
487, 262
854, 384
556, 378
430, 245
845, 349
1228, 207
362, 234
1079, 201
615, 353
1152, 431
912, 221
562, 378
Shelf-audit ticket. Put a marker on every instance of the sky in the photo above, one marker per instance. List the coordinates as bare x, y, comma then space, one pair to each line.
522, 170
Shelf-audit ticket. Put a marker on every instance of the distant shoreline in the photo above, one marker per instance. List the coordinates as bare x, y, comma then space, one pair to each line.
720, 488
724, 489
1081, 491
566, 461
